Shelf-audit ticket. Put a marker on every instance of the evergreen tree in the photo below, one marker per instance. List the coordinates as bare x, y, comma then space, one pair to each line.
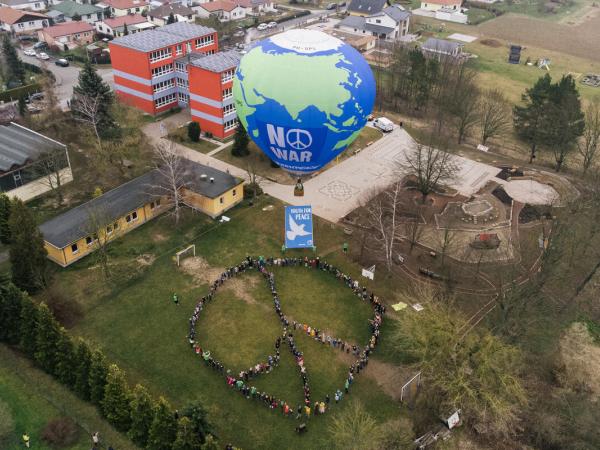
125, 30
117, 399
28, 328
142, 415
4, 218
171, 19
27, 252
76, 18
10, 313
66, 363
15, 71
240, 142
197, 414
46, 340
22, 106
531, 120
566, 120
193, 131
98, 372
164, 427
83, 364
92, 86
186, 437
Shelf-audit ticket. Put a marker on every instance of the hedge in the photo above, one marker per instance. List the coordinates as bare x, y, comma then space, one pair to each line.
21, 91
302, 13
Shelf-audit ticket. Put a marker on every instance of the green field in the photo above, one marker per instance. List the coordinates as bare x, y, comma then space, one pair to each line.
132, 318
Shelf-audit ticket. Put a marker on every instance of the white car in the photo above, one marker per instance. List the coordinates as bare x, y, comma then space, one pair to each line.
43, 56
262, 27
383, 124
272, 25
29, 52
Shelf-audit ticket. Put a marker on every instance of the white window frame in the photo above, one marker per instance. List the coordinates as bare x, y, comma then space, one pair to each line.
227, 75
230, 124
162, 70
160, 55
76, 248
204, 41
227, 93
165, 100
228, 109
163, 86
183, 98
180, 67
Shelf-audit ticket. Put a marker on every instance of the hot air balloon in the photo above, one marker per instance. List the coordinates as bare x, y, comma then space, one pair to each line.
303, 96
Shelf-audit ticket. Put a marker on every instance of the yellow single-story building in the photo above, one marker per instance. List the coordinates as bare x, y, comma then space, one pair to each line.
81, 230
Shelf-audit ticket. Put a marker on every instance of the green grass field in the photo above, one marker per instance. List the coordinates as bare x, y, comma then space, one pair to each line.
133, 319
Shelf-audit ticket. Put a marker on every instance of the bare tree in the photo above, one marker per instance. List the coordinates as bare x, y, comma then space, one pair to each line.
590, 141
88, 111
431, 167
494, 112
254, 180
172, 175
447, 242
413, 228
49, 168
98, 228
383, 209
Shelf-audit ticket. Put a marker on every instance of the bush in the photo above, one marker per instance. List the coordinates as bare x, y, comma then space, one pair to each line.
14, 94
60, 432
193, 130
7, 423
249, 190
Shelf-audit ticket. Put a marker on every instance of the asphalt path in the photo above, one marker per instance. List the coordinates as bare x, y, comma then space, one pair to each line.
66, 77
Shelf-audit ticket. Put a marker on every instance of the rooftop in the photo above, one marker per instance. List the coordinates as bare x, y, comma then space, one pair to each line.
19, 2
397, 13
441, 45
217, 62
172, 34
124, 4
71, 226
220, 5
122, 20
19, 145
445, 2
12, 16
366, 7
68, 28
70, 8
379, 29
166, 10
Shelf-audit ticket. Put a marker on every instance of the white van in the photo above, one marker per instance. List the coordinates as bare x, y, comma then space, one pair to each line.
383, 124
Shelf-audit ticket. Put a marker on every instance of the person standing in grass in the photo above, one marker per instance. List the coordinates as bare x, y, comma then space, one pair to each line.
175, 298
26, 440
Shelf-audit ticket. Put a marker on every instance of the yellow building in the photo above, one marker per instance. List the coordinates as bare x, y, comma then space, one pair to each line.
81, 230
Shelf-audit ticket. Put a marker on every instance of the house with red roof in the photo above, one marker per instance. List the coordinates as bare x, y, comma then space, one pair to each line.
224, 10
115, 26
71, 34
435, 5
17, 21
119, 8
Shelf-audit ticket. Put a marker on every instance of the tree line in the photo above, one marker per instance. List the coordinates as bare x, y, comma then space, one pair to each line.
151, 424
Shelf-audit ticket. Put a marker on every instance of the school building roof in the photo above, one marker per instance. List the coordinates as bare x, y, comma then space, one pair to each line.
19, 145
73, 225
174, 33
217, 62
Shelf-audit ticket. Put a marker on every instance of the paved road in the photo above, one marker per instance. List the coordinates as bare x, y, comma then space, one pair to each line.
66, 77
253, 34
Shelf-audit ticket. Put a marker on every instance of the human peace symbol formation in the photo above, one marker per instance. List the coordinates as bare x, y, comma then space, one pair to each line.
242, 382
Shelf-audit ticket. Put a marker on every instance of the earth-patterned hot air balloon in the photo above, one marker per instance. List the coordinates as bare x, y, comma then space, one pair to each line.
303, 96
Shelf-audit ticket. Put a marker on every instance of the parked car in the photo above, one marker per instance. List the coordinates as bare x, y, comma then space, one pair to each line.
34, 97
43, 56
262, 27
331, 6
239, 33
383, 124
40, 45
272, 25
62, 62
27, 37
342, 4
29, 52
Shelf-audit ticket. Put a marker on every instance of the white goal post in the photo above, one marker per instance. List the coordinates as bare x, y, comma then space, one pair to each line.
184, 252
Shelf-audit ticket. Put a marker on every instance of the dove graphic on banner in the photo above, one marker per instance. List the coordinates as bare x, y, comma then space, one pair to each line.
298, 227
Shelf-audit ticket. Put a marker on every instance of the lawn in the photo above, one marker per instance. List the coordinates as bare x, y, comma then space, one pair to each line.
181, 137
34, 398
132, 318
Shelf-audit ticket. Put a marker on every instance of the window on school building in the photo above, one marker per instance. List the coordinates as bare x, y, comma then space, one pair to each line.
205, 41
131, 217
162, 70
183, 98
180, 67
182, 82
228, 109
227, 76
116, 226
227, 93
154, 204
162, 101
221, 200
179, 49
163, 85
230, 124
161, 54
74, 248
233, 193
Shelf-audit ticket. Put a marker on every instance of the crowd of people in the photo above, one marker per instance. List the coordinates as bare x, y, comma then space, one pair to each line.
241, 382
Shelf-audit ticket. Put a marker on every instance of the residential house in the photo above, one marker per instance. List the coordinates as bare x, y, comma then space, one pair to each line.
434, 5
17, 21
71, 34
30, 5
392, 23
442, 48
256, 7
366, 7
77, 233
160, 16
224, 10
68, 9
115, 27
25, 159
119, 8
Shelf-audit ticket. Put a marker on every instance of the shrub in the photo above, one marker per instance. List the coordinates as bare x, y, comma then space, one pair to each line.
7, 423
251, 190
193, 130
60, 432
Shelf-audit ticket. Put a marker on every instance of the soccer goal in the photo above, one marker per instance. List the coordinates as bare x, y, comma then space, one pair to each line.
410, 388
185, 252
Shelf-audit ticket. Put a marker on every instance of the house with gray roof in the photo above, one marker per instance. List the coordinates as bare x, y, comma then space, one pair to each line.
391, 23
31, 164
366, 7
79, 231
30, 5
442, 48
160, 15
86, 12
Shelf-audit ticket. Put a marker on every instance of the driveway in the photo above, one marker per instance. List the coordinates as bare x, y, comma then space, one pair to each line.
66, 77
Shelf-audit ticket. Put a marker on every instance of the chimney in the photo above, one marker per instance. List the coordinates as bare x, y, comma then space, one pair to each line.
212, 180
203, 177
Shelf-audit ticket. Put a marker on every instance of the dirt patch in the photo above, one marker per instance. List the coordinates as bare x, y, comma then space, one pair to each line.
197, 267
146, 259
159, 237
580, 358
491, 43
